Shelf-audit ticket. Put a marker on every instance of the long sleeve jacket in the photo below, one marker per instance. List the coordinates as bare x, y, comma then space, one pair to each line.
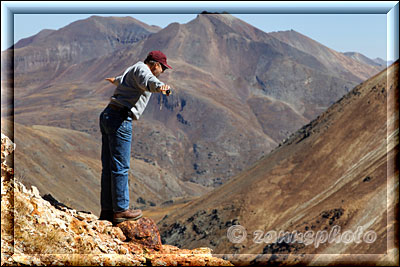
134, 88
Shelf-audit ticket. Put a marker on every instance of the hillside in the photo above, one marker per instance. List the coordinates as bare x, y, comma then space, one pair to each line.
49, 53
339, 170
338, 63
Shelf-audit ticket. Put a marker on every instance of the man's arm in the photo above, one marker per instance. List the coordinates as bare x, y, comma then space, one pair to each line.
165, 89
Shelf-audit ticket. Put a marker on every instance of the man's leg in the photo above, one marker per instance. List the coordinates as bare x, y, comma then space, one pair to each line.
120, 149
119, 137
106, 199
105, 194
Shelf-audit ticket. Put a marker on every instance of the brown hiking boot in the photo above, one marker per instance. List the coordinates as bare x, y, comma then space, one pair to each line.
128, 215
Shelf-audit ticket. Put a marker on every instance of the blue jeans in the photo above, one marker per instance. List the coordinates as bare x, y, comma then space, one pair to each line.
116, 134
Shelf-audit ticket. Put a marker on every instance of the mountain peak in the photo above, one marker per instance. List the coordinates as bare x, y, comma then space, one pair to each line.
218, 13
364, 59
226, 24
224, 17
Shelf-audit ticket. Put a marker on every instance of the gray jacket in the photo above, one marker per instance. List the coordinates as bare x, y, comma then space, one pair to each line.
134, 88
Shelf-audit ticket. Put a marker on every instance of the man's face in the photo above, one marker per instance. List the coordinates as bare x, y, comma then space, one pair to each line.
157, 69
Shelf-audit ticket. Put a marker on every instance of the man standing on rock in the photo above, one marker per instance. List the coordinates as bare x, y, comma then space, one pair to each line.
128, 102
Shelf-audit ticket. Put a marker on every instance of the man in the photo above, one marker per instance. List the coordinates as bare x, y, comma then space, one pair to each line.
128, 102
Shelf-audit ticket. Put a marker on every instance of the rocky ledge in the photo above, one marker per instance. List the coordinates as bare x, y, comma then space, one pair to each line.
37, 232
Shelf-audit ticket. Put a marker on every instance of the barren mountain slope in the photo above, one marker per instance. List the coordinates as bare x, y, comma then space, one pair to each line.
48, 54
339, 170
336, 62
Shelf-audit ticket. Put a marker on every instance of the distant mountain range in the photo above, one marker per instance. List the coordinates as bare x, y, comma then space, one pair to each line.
360, 57
238, 93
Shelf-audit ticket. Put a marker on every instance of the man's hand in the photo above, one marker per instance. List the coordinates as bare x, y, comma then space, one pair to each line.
111, 80
165, 89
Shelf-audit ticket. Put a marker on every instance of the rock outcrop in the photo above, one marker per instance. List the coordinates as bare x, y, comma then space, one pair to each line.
35, 231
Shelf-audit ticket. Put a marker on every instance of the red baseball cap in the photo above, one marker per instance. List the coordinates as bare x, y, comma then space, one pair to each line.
159, 57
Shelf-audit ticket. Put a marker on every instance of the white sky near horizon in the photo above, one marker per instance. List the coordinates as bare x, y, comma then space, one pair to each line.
363, 33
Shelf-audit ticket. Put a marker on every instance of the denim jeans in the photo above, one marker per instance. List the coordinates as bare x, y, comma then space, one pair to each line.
116, 134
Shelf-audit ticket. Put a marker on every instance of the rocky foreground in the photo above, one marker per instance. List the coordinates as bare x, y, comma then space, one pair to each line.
35, 231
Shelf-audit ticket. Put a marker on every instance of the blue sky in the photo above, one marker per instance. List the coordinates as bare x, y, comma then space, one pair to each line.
359, 26
364, 33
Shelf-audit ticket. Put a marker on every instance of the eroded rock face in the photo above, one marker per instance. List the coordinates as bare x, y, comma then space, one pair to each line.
34, 232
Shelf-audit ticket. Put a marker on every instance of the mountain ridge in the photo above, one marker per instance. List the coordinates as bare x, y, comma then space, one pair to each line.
362, 58
48, 55
328, 55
